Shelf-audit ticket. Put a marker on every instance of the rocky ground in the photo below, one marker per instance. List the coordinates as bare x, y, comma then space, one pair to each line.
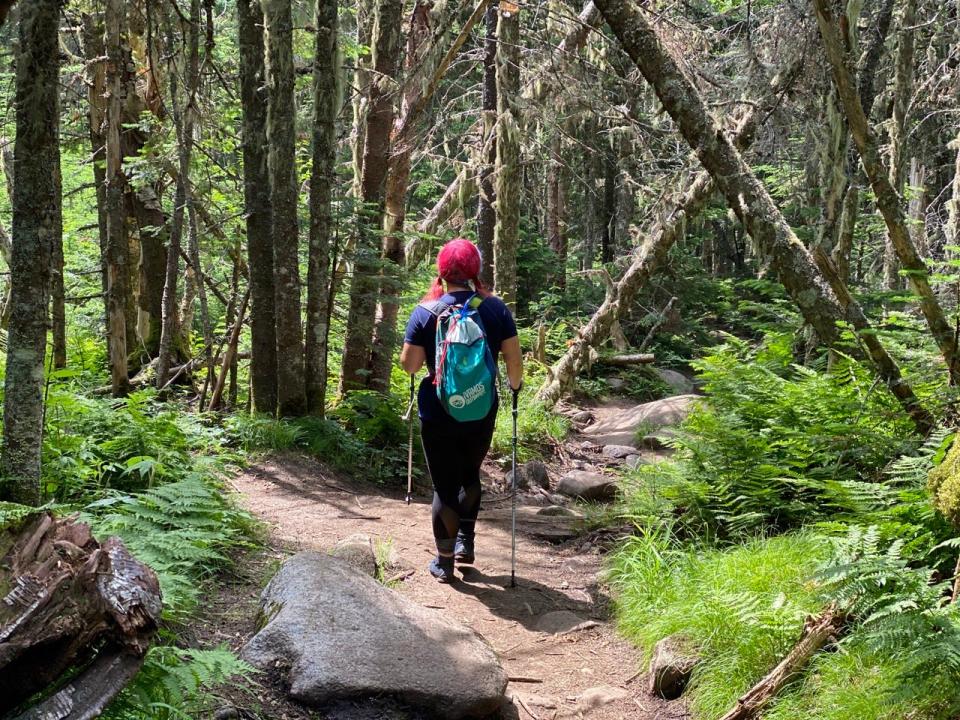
559, 654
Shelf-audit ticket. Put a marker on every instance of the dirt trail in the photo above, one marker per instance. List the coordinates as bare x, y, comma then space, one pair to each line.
308, 507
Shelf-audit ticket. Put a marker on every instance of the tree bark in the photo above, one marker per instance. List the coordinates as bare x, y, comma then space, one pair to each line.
745, 194
902, 94
486, 214
116, 242
556, 212
259, 216
281, 135
376, 158
817, 633
57, 289
888, 201
672, 219
508, 180
71, 598
426, 62
326, 105
36, 215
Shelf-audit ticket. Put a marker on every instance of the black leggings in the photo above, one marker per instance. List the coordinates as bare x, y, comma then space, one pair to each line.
454, 456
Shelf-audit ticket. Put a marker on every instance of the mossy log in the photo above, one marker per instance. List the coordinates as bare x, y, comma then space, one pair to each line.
70, 606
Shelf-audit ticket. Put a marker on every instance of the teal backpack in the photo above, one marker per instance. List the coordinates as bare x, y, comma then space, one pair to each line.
466, 374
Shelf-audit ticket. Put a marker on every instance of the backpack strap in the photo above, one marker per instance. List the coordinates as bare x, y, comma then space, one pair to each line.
437, 308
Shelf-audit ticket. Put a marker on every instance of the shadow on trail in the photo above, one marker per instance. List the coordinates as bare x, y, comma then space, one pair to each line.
529, 600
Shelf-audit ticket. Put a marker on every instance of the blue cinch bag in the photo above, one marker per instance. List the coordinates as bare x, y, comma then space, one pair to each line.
466, 374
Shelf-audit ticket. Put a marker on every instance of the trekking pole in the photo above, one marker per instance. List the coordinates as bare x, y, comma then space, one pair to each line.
409, 418
513, 514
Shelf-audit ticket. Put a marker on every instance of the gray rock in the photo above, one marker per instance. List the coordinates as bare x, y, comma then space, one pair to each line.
530, 474
584, 416
357, 551
678, 382
671, 667
615, 383
622, 428
537, 474
558, 621
587, 485
618, 452
336, 635
633, 461
227, 712
660, 440
557, 511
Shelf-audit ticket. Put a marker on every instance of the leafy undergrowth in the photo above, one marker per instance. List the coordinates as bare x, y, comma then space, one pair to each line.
740, 606
154, 477
792, 489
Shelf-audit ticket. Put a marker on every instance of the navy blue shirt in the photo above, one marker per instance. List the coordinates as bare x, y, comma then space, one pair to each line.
498, 324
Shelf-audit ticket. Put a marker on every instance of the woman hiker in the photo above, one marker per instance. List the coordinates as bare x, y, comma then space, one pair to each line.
455, 450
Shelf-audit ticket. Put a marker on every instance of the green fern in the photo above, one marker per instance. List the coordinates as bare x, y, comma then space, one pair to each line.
174, 683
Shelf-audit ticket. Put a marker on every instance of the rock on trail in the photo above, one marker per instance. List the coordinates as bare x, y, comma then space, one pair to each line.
337, 634
622, 425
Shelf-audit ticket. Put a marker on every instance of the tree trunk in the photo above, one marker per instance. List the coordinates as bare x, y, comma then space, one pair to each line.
902, 95
154, 232
281, 135
886, 367
556, 212
888, 201
609, 208
486, 214
326, 104
672, 218
71, 598
376, 158
36, 215
259, 217
745, 194
817, 632
57, 289
508, 180
116, 245
427, 60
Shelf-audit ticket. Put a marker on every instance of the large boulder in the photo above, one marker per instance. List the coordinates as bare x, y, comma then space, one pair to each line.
624, 426
335, 634
587, 485
678, 382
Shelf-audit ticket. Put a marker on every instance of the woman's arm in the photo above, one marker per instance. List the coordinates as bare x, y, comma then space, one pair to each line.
412, 358
513, 358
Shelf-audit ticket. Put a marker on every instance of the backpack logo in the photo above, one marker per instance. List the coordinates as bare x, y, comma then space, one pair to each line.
465, 373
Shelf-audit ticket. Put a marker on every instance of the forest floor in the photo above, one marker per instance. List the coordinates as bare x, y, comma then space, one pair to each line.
587, 673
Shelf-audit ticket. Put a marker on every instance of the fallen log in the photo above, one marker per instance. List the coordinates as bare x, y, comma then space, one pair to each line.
817, 633
626, 360
70, 602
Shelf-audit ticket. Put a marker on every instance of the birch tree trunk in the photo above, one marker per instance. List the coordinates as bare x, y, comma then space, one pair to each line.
281, 135
508, 180
745, 194
36, 217
326, 103
259, 216
888, 201
376, 158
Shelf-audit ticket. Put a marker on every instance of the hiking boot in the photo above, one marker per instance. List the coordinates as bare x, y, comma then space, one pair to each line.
464, 550
442, 569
